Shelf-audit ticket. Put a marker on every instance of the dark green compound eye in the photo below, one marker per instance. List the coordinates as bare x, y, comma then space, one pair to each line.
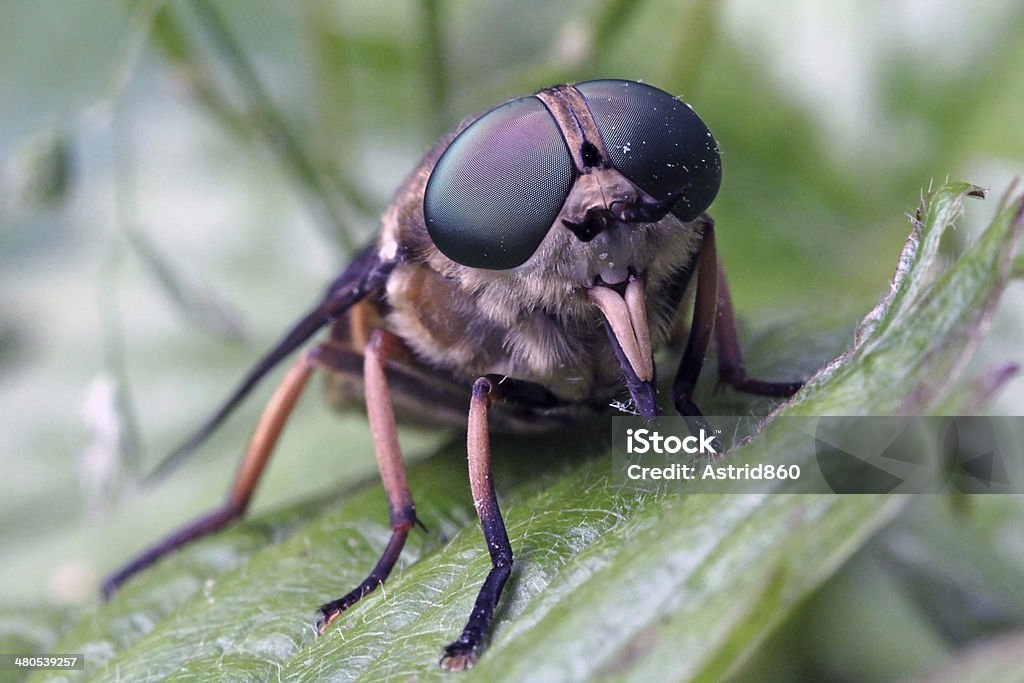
498, 188
657, 142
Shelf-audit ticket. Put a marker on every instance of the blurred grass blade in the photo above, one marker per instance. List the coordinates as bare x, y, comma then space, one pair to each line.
610, 19
277, 132
697, 32
436, 81
38, 175
328, 194
199, 304
953, 559
173, 41
997, 660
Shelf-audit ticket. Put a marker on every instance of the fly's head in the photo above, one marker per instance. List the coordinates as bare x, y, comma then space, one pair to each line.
576, 202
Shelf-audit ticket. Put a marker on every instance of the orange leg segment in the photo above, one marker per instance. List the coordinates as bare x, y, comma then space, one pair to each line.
274, 417
392, 472
464, 651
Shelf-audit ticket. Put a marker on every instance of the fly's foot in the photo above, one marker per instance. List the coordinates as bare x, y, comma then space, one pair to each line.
330, 611
461, 655
326, 617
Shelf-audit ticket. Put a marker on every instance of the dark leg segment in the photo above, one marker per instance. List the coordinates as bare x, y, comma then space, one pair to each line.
207, 524
255, 461
464, 651
730, 359
704, 307
392, 472
712, 311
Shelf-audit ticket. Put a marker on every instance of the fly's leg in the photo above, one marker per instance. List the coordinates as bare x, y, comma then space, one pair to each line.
701, 328
730, 359
713, 313
274, 417
464, 651
381, 416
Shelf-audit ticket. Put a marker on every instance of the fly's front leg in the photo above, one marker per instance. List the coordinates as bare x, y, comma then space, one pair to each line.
274, 417
730, 359
704, 308
381, 416
713, 313
464, 651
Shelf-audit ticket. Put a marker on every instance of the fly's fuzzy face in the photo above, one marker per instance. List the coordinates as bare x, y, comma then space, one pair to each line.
555, 279
534, 321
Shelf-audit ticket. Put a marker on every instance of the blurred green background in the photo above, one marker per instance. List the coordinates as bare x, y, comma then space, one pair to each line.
180, 182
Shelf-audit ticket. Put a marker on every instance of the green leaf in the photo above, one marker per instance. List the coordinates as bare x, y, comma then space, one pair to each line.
608, 583
910, 348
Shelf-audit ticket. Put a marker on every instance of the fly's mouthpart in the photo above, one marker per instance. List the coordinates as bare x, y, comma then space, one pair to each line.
625, 310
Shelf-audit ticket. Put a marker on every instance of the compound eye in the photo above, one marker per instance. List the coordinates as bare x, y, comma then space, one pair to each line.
657, 142
498, 188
